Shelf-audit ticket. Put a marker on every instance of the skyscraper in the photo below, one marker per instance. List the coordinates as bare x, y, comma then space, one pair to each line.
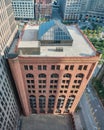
43, 9
51, 65
93, 11
23, 9
9, 113
70, 9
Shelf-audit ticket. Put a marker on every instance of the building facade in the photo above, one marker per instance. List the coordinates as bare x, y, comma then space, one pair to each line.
9, 112
51, 71
43, 9
70, 9
23, 10
94, 11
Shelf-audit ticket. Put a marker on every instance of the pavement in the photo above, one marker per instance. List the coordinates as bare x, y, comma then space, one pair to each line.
46, 122
96, 107
87, 114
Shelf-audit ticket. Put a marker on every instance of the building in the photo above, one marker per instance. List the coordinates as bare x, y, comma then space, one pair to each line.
70, 9
43, 9
51, 67
9, 112
23, 9
94, 11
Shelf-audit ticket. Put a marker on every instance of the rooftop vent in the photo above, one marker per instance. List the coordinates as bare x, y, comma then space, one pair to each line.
59, 49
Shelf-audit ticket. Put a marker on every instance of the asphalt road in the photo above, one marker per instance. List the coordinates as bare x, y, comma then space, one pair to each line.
87, 114
96, 106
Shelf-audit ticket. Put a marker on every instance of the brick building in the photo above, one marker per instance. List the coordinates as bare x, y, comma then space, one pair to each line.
43, 9
51, 66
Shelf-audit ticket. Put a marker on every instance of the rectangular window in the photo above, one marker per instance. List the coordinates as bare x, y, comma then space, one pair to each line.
32, 81
54, 91
58, 67
80, 67
61, 91
39, 67
85, 67
50, 91
33, 86
25, 67
66, 67
71, 67
75, 81
65, 91
76, 91
44, 67
28, 81
30, 67
53, 67
79, 81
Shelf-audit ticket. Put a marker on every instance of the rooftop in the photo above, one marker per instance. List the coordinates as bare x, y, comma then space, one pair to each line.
47, 122
80, 47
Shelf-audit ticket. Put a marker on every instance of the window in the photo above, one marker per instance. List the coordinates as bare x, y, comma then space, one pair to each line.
66, 67
61, 91
33, 91
71, 67
44, 67
75, 81
67, 75
54, 91
77, 86
54, 75
58, 67
62, 86
42, 75
40, 91
39, 67
80, 67
29, 75
25, 67
85, 67
66, 86
53, 67
65, 91
30, 67
32, 81
71, 91
79, 81
50, 91
28, 81
76, 91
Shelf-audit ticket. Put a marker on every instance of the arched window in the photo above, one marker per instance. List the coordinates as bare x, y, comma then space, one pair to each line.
60, 102
51, 101
67, 75
42, 100
54, 75
80, 75
42, 75
29, 75
70, 102
32, 100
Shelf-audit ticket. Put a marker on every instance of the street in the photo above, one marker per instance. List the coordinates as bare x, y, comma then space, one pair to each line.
92, 109
87, 114
96, 106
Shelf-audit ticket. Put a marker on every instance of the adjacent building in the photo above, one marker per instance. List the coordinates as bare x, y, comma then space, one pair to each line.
51, 65
43, 9
93, 11
23, 9
70, 9
9, 113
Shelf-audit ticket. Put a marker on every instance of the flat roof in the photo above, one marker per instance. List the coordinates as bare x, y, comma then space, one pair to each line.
80, 46
47, 122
